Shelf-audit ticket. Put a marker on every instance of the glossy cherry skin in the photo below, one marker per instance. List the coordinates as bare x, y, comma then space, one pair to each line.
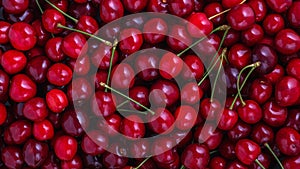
111, 10
4, 28
134, 6
180, 8
75, 163
260, 9
51, 18
22, 36
163, 92
251, 112
79, 91
212, 9
59, 74
273, 114
22, 88
157, 6
56, 100
170, 65
195, 156
73, 123
267, 56
208, 136
217, 163
191, 93
155, 30
53, 49
185, 117
293, 119
162, 150
288, 141
35, 153
252, 35
193, 67
35, 109
12, 157
264, 159
94, 143
276, 74
43, 130
162, 121
287, 41
141, 95
103, 104
20, 131
291, 162
273, 23
132, 127
261, 90
15, 7
239, 131
247, 151
292, 68
241, 17
122, 77
87, 24
199, 25
262, 133
239, 55
228, 119
13, 61
178, 38
65, 147
287, 91
37, 68
4, 84
110, 160
279, 5
146, 66
42, 34
131, 40
210, 109
74, 45
226, 149
102, 56
3, 113
293, 14
230, 4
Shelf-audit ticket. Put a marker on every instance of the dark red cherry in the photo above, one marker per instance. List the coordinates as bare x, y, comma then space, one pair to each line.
276, 74
210, 109
59, 74
293, 68
111, 10
131, 40
155, 30
288, 141
236, 164
157, 6
13, 61
56, 100
181, 8
262, 133
217, 163
122, 76
291, 162
100, 76
260, 9
279, 5
51, 18
43, 130
267, 56
239, 131
87, 24
74, 45
134, 6
146, 65
61, 4
239, 55
293, 119
273, 114
162, 121
103, 104
195, 156
252, 35
15, 6
94, 143
37, 68
35, 153
3, 113
141, 95
22, 88
212, 9
12, 157
110, 160
74, 123
209, 136
261, 90
170, 65
53, 49
228, 119
207, 48
132, 126
35, 109
65, 147
4, 85
230, 3
273, 23
41, 33
264, 159
294, 15
102, 55
20, 131
231, 38
191, 93
80, 9
4, 28
199, 25
178, 38
185, 117
251, 112
75, 163
22, 36
247, 151
226, 149
241, 17
287, 91
287, 41
193, 68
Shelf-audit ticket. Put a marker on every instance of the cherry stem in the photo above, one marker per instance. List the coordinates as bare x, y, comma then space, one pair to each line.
59, 10
259, 163
182, 167
213, 152
221, 13
252, 66
132, 111
122, 104
39, 6
142, 163
85, 33
212, 65
111, 60
123, 95
218, 73
274, 155
223, 27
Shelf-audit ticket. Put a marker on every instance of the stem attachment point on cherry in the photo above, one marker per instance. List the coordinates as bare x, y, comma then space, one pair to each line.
59, 10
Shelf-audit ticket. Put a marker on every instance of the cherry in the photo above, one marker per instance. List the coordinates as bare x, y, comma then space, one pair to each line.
178, 38
50, 162
141, 95
239, 131
131, 40
53, 49
3, 113
191, 93
4, 28
75, 163
260, 9
210, 109
43, 130
241, 17
35, 109
12, 157
13, 61
194, 66
239, 56
261, 90
273, 114
51, 18
217, 163
122, 76
209, 136
162, 122
287, 41
140, 148
230, 4
15, 7
288, 141
181, 8
74, 123
162, 150
163, 93
111, 10
60, 4
264, 159
170, 65
185, 117
279, 5
59, 74
79, 91
110, 160
252, 35
293, 14
22, 36
293, 119
35, 153
134, 6
37, 68
146, 65
262, 133
100, 76
236, 164
103, 104
154, 30
199, 25
65, 147
231, 38
291, 162
132, 127
292, 68
87, 24
4, 84
195, 156
22, 88
74, 45
213, 9
94, 143
56, 100
287, 91
228, 119
41, 32
91, 161
226, 149
157, 6
273, 23
102, 56
276, 74
208, 47
20, 131
247, 151
80, 9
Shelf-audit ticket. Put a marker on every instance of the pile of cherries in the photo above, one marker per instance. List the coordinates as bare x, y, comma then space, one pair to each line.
56, 112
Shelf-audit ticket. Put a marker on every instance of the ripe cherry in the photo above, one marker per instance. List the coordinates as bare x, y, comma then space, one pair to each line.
293, 14
287, 41
35, 109
20, 131
170, 65
262, 133
94, 143
287, 91
279, 5
239, 55
134, 6
75, 163
162, 121
241, 17
288, 141
261, 90
13, 61
35, 153
252, 35
65, 147
132, 127
22, 88
87, 24
247, 151
199, 25
228, 119
195, 156
43, 130
273, 114
273, 23
191, 93
74, 45
103, 104
181, 8
157, 6
12, 157
178, 38
56, 100
217, 163
155, 30
260, 9
185, 117
51, 18
4, 28
15, 7
37, 68
111, 10
131, 40
267, 56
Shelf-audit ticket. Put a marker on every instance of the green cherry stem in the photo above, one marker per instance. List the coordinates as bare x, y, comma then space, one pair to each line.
111, 60
85, 33
220, 28
218, 72
259, 163
132, 111
142, 163
55, 7
182, 167
225, 11
122, 104
123, 95
274, 155
39, 6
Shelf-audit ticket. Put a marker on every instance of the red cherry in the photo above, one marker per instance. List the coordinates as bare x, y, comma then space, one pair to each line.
20, 131
141, 95
293, 119
287, 91
251, 112
193, 68
293, 68
102, 56
43, 130
260, 9
273, 23
291, 162
228, 119
261, 90
42, 35
131, 40
51, 18
252, 35
65, 147
273, 114
241, 17
239, 56
111, 160
287, 41
199, 25
59, 74
195, 156
22, 36
13, 61
181, 8
211, 10
288, 141
210, 109
155, 30
279, 5
239, 131
35, 153
230, 3
170, 65
94, 143
15, 6
122, 76
4, 28
293, 14
178, 38
87, 24
22, 88
111, 10
262, 133
12, 157
191, 93
74, 45
3, 113
157, 6
56, 100
146, 65
132, 126
103, 104
75, 163
217, 163
209, 136
53, 49
276, 74
162, 121
35, 109
185, 117
247, 151
134, 6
